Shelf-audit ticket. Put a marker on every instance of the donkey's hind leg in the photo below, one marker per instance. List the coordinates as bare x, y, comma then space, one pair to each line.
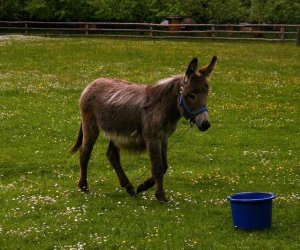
113, 155
90, 135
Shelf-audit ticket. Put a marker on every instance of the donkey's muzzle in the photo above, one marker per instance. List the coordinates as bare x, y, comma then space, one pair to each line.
205, 125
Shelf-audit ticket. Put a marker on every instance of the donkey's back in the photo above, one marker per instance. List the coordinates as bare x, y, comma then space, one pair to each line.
116, 108
112, 93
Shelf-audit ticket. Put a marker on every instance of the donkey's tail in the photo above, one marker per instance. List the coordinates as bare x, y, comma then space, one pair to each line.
78, 142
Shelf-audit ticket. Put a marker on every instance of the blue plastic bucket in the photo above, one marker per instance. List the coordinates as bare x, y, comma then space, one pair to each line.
251, 211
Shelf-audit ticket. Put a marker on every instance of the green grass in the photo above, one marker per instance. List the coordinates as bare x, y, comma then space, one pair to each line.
253, 145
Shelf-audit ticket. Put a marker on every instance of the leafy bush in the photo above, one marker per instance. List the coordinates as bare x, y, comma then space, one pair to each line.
215, 11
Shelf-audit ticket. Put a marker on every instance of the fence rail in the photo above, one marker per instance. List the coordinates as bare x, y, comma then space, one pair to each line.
265, 32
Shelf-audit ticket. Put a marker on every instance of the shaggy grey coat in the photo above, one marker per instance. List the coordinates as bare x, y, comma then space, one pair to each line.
138, 117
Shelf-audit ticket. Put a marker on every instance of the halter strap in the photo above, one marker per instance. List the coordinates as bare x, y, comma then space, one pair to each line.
188, 112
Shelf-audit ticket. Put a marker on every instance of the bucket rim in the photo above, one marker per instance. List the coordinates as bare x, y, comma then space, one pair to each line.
238, 197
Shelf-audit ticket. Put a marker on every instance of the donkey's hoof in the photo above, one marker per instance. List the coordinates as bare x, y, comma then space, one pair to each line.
83, 186
141, 188
130, 191
161, 198
85, 189
146, 185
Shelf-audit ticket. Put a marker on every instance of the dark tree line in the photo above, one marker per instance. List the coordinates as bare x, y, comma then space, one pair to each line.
208, 11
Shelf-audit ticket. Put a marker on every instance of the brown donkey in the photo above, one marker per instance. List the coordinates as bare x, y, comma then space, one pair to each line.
138, 117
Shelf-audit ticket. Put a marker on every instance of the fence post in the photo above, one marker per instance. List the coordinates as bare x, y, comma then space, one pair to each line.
213, 34
298, 35
86, 29
152, 32
26, 28
282, 33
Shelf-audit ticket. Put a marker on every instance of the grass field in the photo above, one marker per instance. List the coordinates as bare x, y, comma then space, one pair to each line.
253, 145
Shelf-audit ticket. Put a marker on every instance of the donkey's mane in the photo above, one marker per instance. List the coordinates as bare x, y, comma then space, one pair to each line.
168, 80
163, 91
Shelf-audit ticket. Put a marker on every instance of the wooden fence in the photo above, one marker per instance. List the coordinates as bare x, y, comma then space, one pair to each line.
265, 32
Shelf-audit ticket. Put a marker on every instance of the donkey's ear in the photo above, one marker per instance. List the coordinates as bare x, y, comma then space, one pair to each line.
192, 68
208, 69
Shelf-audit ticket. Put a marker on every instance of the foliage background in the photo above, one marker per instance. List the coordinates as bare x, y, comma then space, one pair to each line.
216, 11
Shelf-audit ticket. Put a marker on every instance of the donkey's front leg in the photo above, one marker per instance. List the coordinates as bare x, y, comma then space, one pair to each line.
157, 167
150, 182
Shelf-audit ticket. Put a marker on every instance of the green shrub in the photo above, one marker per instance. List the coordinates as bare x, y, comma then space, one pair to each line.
216, 11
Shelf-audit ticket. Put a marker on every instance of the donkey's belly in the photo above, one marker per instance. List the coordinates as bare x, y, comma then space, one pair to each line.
132, 143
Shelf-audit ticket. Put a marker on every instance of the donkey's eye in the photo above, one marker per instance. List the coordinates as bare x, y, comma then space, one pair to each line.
192, 97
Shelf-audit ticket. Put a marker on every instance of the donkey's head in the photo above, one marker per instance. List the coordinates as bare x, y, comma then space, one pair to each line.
194, 91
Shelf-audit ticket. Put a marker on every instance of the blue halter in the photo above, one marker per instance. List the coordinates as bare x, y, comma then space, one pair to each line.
188, 114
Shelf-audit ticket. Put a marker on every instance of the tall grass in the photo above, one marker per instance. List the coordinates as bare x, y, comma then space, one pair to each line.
253, 145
